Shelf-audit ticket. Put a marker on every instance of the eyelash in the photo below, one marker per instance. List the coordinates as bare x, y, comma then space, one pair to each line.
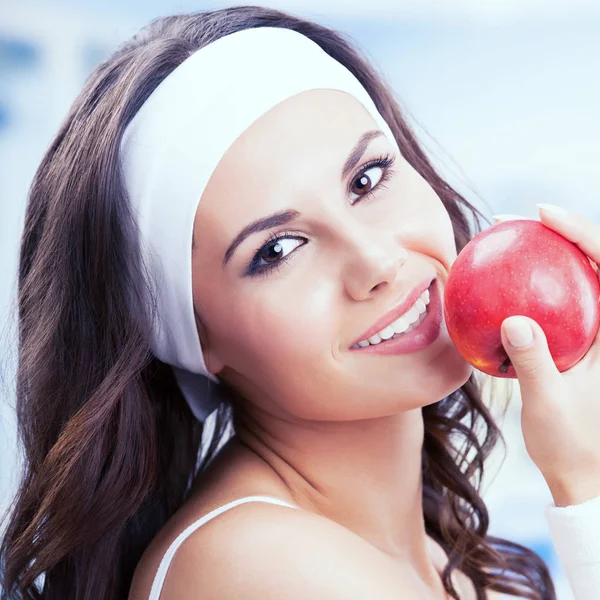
384, 161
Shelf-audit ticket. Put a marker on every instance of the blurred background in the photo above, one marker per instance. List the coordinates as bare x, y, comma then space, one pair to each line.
503, 94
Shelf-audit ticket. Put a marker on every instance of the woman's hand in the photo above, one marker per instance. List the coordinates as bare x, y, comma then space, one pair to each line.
560, 417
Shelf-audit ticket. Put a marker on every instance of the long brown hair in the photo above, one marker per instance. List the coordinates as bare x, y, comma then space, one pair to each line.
110, 446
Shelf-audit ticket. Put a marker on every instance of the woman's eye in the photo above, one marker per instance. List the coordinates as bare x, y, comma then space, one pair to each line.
366, 181
275, 251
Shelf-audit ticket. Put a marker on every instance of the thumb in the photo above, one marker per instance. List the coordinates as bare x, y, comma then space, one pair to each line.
527, 347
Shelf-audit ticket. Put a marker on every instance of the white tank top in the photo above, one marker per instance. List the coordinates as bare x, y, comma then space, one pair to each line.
159, 578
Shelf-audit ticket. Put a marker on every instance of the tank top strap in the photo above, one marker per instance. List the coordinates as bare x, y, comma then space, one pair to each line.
161, 573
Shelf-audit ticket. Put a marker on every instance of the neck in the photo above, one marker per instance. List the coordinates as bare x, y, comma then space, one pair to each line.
365, 475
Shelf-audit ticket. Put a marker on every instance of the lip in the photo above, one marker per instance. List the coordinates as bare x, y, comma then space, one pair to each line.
397, 312
417, 339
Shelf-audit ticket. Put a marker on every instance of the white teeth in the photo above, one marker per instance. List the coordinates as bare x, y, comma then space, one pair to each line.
387, 332
403, 324
400, 325
375, 339
412, 315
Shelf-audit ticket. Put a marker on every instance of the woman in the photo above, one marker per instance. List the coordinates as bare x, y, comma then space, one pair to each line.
355, 460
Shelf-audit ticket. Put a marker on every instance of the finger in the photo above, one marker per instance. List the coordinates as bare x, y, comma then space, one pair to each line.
574, 227
527, 347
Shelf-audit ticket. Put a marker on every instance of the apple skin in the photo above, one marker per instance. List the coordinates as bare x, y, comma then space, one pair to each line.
521, 267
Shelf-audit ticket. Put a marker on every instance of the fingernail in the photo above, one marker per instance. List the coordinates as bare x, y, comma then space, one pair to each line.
507, 217
554, 210
518, 332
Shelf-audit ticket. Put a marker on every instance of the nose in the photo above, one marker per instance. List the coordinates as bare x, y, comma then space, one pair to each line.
373, 263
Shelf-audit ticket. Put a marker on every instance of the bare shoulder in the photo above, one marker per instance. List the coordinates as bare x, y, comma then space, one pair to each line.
263, 551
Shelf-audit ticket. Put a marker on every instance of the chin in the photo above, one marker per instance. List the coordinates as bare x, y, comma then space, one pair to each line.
460, 381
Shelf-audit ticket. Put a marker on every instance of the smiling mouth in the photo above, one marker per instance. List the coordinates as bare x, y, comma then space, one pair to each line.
406, 323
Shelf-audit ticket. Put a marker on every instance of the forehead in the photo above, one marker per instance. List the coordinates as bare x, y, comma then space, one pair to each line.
294, 149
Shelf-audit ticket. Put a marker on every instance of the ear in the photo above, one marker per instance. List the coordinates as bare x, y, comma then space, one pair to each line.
212, 362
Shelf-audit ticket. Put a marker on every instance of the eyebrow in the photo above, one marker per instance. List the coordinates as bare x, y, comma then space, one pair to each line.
283, 217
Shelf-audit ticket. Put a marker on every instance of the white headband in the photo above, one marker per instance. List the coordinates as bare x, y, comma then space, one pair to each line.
172, 146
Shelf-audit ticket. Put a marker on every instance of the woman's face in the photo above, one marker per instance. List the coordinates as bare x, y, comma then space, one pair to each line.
281, 311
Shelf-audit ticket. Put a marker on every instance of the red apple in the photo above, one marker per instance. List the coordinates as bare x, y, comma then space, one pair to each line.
521, 267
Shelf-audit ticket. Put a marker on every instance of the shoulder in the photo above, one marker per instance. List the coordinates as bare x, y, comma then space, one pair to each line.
259, 550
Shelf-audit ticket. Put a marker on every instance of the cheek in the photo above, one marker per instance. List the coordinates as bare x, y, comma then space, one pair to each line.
283, 349
280, 327
438, 241
426, 225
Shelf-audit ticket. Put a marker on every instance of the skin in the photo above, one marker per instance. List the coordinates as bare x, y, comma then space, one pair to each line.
322, 417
